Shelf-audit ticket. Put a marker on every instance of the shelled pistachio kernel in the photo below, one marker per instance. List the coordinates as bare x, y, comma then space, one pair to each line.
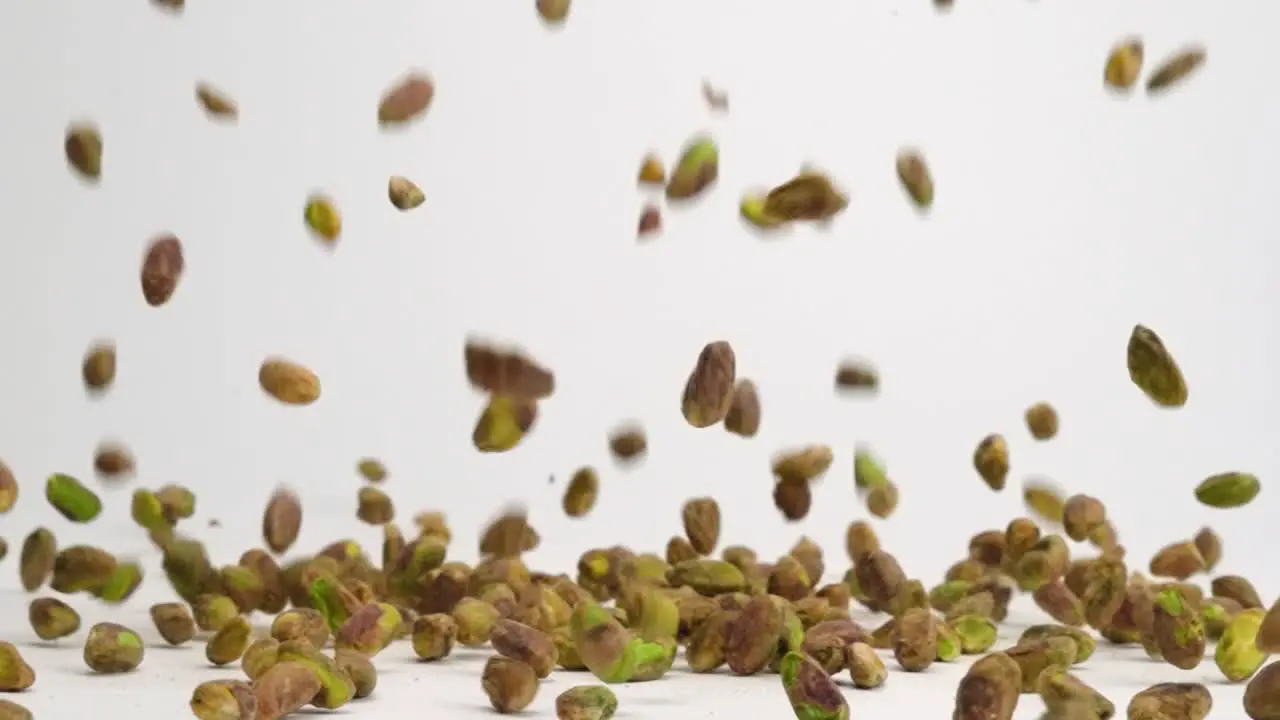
1123, 65
586, 702
404, 193
15, 674
580, 495
229, 642
72, 499
224, 700
111, 649
52, 619
374, 507
174, 622
510, 684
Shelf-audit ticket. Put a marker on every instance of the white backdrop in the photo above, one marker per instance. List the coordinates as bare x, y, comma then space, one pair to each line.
1064, 215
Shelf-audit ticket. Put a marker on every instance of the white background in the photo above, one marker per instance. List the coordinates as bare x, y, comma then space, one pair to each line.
1064, 216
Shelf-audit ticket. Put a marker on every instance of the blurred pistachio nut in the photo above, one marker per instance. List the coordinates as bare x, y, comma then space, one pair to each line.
695, 171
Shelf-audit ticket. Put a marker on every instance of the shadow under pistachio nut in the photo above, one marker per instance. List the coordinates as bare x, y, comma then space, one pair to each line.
301, 624
224, 700
989, 690
336, 687
1035, 656
359, 668
1153, 369
1237, 654
15, 674
71, 499
810, 690
1063, 692
230, 641
586, 702
708, 392
695, 171
1175, 701
509, 684
284, 689
1178, 629
112, 649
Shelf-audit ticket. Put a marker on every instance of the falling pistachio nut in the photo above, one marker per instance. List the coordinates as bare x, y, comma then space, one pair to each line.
230, 641
1153, 369
916, 640
856, 375
285, 688
1044, 500
1124, 65
373, 506
162, 268
404, 193
603, 644
708, 393
434, 636
1042, 421
358, 667
1033, 657
1064, 694
259, 657
509, 684
586, 702
868, 472
212, 611
1081, 515
1178, 629
336, 687
112, 649
112, 461
1237, 654
743, 418
305, 624
805, 464
224, 700
215, 102
990, 689
406, 100
1228, 490
650, 222
15, 674
651, 171
322, 216
37, 558
628, 443
1175, 701
369, 629
977, 633
1175, 69
72, 499
82, 568
99, 367
811, 691
809, 196
121, 584
580, 495
288, 382
915, 177
701, 518
282, 520
696, 170
83, 147
866, 669
991, 460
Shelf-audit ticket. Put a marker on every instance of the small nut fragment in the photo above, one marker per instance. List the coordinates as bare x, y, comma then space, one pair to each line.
323, 218
1124, 64
15, 674
83, 147
406, 100
651, 171
52, 619
215, 102
743, 417
111, 649
288, 382
282, 520
991, 460
1042, 421
1228, 490
1174, 69
1153, 369
1176, 701
914, 175
586, 702
650, 222
404, 194
510, 684
224, 700
717, 100
708, 393
72, 499
701, 518
99, 366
